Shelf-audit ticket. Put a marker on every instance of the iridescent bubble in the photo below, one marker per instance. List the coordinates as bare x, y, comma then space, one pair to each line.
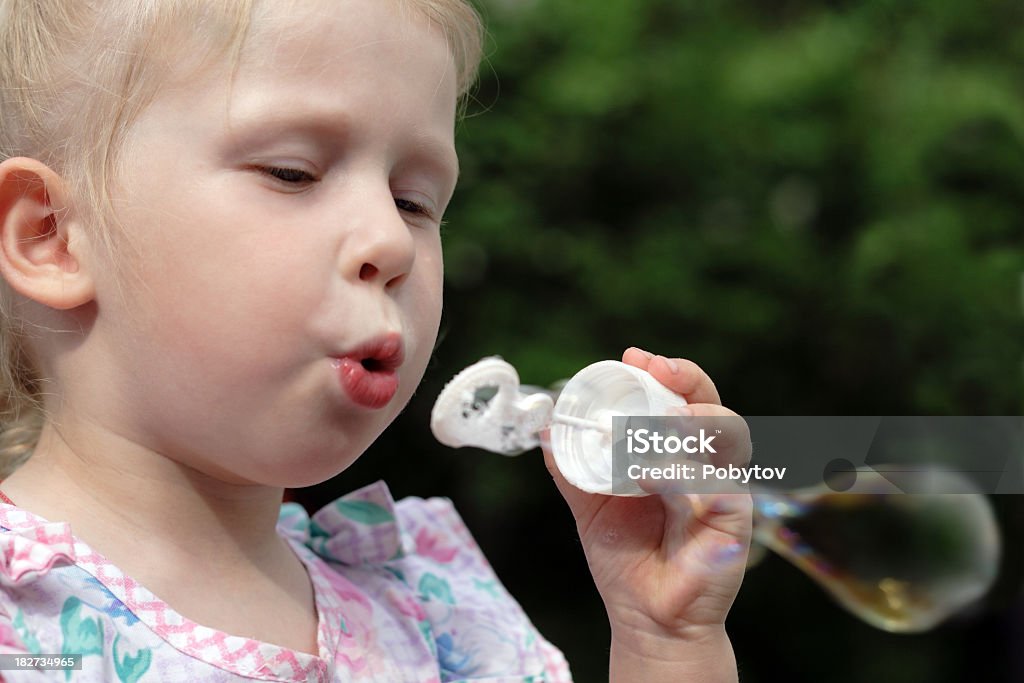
901, 562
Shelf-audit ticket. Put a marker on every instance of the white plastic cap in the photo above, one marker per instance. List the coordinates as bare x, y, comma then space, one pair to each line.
595, 395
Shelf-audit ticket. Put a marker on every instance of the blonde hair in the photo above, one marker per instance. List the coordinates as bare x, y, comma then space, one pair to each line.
74, 76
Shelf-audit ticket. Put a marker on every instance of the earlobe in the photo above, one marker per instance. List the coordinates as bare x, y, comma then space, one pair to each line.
41, 243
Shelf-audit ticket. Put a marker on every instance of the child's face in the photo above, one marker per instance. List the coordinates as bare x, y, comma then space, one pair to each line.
257, 284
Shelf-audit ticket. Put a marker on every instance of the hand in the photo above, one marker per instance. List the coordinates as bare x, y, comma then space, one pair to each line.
668, 566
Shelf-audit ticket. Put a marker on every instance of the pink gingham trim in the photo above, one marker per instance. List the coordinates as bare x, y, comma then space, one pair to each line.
243, 656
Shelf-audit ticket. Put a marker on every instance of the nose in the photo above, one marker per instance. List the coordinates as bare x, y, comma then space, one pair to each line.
382, 248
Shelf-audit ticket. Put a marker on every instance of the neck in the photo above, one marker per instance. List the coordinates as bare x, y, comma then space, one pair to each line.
110, 489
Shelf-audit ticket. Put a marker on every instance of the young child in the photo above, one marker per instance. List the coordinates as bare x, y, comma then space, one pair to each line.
219, 241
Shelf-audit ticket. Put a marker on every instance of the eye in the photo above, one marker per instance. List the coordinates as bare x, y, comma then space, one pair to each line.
289, 176
409, 206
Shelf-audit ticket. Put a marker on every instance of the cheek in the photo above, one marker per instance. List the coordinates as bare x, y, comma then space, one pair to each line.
216, 292
421, 302
430, 291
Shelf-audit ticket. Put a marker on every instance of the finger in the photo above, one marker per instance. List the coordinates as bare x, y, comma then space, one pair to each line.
729, 433
723, 523
685, 378
714, 438
730, 514
637, 357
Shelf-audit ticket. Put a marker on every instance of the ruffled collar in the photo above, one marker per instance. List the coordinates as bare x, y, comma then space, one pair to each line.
31, 548
360, 528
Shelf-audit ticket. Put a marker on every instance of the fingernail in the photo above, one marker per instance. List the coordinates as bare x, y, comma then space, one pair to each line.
646, 353
672, 365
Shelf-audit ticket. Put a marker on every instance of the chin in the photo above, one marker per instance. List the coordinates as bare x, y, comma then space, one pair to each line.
313, 458
312, 464
299, 475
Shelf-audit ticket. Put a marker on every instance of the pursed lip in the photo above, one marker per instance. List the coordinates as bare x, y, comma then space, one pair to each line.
383, 353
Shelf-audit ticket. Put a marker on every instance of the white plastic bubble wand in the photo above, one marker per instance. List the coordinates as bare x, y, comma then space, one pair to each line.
486, 407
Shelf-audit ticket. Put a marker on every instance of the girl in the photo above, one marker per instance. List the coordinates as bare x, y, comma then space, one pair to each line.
219, 238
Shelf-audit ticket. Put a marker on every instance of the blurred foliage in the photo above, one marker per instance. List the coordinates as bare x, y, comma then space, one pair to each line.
820, 203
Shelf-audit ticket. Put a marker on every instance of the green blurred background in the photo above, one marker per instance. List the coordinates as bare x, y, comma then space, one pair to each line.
820, 203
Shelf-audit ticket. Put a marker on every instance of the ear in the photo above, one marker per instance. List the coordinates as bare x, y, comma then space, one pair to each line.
42, 245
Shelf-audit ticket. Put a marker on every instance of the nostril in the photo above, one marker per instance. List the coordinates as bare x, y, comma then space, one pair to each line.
367, 272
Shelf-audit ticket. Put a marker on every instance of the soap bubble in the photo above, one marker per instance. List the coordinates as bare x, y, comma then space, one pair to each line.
901, 562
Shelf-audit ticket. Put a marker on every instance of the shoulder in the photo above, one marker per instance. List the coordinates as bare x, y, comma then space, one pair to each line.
50, 604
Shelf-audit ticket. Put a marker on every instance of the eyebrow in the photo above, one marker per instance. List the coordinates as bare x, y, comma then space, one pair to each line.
332, 125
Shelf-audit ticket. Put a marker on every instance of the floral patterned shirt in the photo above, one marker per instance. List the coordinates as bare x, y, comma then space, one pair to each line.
403, 595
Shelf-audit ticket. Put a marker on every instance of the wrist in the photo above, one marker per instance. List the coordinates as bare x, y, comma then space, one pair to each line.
702, 655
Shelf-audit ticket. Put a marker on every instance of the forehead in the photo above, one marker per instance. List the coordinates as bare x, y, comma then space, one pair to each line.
384, 44
283, 26
373, 74
365, 66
